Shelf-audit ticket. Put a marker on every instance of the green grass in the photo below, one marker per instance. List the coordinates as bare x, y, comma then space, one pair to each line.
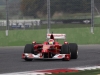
97, 20
2, 7
87, 72
77, 35
20, 37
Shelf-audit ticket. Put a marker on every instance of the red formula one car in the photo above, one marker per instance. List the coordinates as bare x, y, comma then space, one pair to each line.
51, 49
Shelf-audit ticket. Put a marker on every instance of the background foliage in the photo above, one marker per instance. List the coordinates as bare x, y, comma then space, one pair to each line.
66, 6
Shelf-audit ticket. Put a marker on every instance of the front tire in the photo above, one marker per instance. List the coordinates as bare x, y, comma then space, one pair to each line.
65, 50
74, 50
29, 49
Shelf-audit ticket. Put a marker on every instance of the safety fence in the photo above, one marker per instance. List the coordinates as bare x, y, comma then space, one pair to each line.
33, 14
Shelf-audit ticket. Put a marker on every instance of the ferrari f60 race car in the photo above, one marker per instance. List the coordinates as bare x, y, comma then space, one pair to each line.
51, 49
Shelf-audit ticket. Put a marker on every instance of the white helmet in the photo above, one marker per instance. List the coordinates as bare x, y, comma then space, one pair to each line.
51, 42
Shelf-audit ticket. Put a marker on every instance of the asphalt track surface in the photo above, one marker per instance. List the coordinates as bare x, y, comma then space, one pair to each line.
10, 60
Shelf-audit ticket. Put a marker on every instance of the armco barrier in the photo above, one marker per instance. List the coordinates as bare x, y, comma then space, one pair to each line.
71, 21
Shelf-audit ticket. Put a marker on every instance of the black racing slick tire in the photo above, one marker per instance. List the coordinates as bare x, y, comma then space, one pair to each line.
74, 50
65, 50
29, 49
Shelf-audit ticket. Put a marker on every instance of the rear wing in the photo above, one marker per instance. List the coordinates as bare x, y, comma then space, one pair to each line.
57, 36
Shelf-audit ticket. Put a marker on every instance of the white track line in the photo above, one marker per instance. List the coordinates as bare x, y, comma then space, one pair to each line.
25, 73
86, 68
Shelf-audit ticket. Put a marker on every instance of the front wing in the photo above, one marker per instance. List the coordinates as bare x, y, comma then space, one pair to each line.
38, 56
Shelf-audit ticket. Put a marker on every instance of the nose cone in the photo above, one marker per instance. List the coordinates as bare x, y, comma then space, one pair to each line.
45, 51
45, 48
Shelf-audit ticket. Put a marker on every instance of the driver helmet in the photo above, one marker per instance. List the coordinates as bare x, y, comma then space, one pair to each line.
51, 42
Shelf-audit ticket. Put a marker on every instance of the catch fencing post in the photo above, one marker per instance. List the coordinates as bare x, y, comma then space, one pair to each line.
92, 16
48, 13
7, 20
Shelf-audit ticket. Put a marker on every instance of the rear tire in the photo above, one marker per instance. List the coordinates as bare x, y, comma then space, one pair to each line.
29, 49
65, 50
74, 50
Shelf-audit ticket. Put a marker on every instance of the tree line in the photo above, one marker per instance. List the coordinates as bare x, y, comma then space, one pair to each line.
36, 7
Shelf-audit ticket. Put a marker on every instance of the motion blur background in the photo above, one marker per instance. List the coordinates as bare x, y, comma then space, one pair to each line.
32, 14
